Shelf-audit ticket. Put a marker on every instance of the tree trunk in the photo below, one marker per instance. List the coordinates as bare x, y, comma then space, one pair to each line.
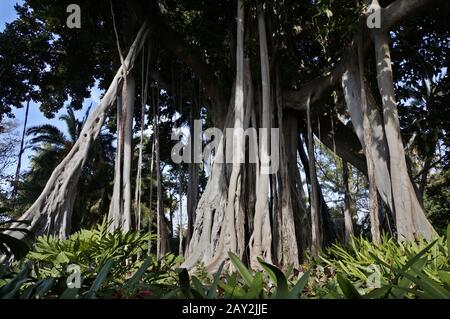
261, 237
368, 142
19, 159
192, 191
301, 222
289, 250
316, 240
128, 152
144, 96
150, 202
348, 203
410, 217
379, 151
51, 213
162, 230
120, 208
230, 235
180, 218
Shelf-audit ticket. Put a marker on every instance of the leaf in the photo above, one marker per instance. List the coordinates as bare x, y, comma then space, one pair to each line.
199, 288
256, 288
445, 277
280, 279
133, 281
101, 277
44, 287
62, 258
299, 286
18, 247
213, 289
183, 276
232, 291
9, 290
270, 273
378, 293
448, 242
347, 288
69, 293
243, 271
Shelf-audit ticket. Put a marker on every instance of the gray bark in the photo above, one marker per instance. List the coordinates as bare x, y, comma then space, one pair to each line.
162, 245
316, 238
410, 217
348, 203
51, 213
261, 238
368, 142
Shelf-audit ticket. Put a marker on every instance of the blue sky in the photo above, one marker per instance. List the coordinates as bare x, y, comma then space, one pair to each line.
8, 14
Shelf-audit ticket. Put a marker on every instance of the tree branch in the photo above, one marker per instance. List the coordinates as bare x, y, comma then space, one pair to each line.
319, 88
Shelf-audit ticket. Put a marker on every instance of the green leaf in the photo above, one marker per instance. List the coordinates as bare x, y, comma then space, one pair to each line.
243, 271
232, 291
9, 290
347, 288
269, 272
199, 288
445, 277
183, 276
44, 287
133, 281
299, 286
101, 277
448, 242
280, 279
256, 287
62, 258
69, 293
213, 289
378, 293
18, 247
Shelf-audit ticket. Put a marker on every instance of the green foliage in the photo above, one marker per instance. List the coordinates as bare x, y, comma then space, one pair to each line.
243, 284
9, 245
360, 259
420, 276
407, 270
437, 201
89, 249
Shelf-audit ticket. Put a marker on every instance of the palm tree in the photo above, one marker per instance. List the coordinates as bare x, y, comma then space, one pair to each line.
49, 146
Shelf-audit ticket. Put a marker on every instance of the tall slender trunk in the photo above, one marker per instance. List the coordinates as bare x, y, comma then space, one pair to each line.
289, 250
426, 171
162, 231
261, 237
128, 152
150, 202
115, 206
180, 217
410, 217
316, 238
348, 203
368, 142
192, 191
21, 149
138, 190
120, 207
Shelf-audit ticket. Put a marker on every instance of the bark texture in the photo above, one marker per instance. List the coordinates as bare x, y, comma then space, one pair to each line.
51, 213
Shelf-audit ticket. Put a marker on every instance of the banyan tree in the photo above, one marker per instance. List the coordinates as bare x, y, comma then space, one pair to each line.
285, 75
